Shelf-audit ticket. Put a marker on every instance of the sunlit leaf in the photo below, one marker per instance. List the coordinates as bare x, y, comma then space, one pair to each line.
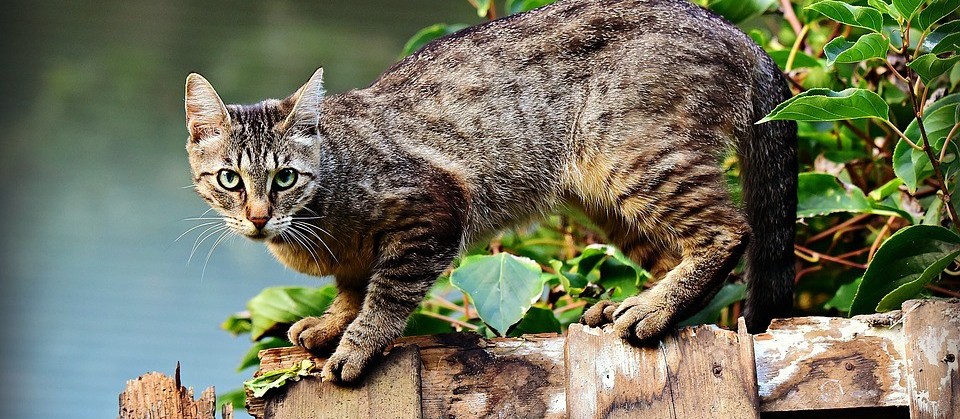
483, 7
827, 105
938, 9
251, 358
884, 7
872, 45
859, 16
537, 320
884, 191
903, 265
843, 298
284, 305
278, 378
502, 287
929, 66
800, 59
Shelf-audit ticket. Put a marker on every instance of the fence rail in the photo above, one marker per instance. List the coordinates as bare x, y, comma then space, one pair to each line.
899, 364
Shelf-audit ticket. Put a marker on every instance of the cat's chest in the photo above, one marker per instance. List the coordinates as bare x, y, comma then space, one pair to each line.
308, 261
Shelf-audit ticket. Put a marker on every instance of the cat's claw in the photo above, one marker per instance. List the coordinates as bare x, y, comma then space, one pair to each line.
346, 365
599, 314
315, 334
641, 321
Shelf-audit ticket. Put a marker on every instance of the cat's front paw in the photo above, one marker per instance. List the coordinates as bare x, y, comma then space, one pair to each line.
315, 334
640, 320
599, 314
347, 364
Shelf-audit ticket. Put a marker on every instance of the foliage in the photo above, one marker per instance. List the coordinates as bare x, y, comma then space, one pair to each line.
877, 119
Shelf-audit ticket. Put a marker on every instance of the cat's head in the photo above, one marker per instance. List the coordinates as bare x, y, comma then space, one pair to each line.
256, 164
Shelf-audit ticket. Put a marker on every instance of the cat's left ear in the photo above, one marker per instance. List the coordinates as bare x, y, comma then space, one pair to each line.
306, 104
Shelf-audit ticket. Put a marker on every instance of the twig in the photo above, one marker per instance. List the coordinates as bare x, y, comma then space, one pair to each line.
568, 307
443, 302
902, 135
828, 232
941, 290
452, 320
796, 48
790, 16
816, 256
943, 150
883, 233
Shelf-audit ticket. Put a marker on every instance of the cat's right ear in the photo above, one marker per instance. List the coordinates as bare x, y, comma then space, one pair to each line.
206, 114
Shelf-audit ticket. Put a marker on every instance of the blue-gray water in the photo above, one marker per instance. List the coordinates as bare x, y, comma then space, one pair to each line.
92, 169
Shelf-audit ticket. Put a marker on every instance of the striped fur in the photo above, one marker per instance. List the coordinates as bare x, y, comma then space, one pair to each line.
622, 109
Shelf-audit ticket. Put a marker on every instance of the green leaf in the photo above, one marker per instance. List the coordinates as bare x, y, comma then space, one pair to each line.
236, 398
278, 378
519, 6
872, 45
729, 294
537, 320
844, 296
827, 105
251, 358
502, 286
483, 7
884, 191
944, 38
822, 194
884, 7
929, 66
862, 17
800, 60
913, 166
428, 34
420, 324
903, 265
938, 9
738, 11
237, 324
907, 7
278, 306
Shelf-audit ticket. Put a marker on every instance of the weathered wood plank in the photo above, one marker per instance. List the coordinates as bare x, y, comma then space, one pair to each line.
811, 363
391, 390
155, 395
466, 376
696, 372
932, 338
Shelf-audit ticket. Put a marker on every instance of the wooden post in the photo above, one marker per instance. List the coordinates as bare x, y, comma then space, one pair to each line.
932, 344
154, 395
392, 390
695, 373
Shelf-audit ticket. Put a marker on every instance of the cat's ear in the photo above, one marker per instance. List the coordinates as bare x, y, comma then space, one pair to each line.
306, 103
206, 113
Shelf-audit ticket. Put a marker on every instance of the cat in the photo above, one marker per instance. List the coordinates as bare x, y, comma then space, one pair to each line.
619, 109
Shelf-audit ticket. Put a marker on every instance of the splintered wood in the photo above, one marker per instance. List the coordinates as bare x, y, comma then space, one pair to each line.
157, 396
809, 364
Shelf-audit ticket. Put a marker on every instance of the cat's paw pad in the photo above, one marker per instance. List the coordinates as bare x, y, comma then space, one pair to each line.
640, 321
599, 314
313, 334
346, 365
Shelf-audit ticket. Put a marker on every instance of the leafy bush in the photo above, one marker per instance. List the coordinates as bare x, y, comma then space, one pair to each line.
877, 215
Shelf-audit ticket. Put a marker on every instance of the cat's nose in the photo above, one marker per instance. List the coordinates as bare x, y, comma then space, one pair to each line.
259, 222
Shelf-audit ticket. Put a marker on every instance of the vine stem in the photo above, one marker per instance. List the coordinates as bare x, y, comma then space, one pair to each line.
796, 48
790, 16
903, 136
946, 142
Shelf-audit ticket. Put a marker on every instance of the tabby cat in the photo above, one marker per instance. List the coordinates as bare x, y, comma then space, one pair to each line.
619, 109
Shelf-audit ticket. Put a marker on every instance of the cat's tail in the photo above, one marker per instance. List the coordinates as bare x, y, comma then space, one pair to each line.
768, 164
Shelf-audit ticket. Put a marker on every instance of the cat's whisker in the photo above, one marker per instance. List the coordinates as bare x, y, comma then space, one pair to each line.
210, 253
203, 237
302, 240
209, 223
302, 224
203, 218
322, 230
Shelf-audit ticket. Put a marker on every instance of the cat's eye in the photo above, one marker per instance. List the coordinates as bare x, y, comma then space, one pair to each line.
284, 179
229, 180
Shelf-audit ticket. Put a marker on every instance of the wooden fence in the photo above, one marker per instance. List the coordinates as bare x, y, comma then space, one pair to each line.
897, 365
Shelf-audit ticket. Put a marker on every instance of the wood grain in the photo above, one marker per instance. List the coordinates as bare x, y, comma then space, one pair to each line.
932, 345
155, 396
695, 372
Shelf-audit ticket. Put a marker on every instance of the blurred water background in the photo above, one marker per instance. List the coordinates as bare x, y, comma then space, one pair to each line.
93, 169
